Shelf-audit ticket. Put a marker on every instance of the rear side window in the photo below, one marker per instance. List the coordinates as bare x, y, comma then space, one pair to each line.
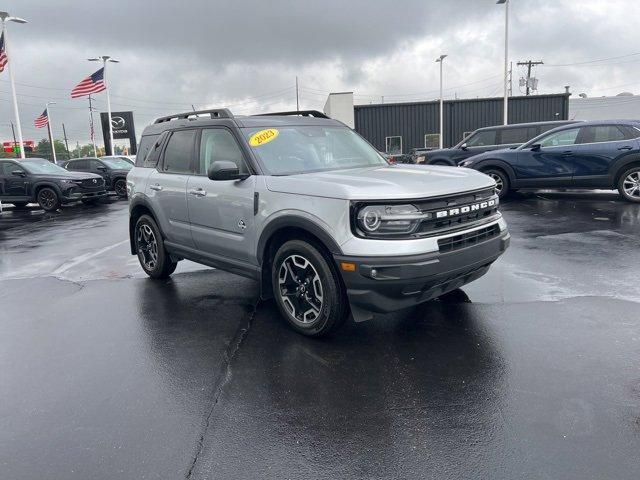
482, 139
560, 139
179, 151
601, 133
78, 165
146, 142
515, 135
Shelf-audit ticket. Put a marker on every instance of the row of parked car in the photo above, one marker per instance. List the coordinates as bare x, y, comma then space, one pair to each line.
564, 154
37, 180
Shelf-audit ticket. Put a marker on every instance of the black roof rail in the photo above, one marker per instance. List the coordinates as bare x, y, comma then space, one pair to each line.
214, 112
304, 113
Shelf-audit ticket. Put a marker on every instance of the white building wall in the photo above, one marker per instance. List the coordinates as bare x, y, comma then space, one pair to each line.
339, 106
624, 107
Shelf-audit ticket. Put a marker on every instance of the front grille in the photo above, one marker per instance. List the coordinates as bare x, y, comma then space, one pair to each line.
89, 184
468, 239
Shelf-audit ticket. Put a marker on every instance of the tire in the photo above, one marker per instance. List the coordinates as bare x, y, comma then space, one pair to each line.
629, 184
502, 181
304, 278
152, 255
120, 187
19, 204
48, 199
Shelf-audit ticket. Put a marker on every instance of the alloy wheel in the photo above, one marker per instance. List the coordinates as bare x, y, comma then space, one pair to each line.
120, 188
300, 289
147, 246
499, 182
47, 199
631, 184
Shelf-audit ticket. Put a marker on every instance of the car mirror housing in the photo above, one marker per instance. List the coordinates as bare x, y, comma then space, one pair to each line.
18, 173
225, 170
535, 147
463, 146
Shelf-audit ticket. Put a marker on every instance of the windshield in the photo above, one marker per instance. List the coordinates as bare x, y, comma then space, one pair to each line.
42, 166
304, 149
117, 163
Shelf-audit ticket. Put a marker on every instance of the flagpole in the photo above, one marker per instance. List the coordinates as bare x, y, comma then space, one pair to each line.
93, 132
106, 84
13, 88
53, 145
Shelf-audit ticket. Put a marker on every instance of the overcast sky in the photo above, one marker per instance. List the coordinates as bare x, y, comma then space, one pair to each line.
245, 54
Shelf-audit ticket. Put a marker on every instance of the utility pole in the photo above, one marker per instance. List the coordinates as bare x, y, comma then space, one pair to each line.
66, 142
382, 99
14, 140
78, 148
529, 64
440, 60
297, 99
511, 79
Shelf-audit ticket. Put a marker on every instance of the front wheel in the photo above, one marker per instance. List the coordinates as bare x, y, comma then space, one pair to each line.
120, 187
308, 289
501, 179
48, 199
629, 184
153, 257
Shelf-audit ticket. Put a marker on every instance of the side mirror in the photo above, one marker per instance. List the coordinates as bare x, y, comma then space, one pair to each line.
102, 169
224, 170
464, 146
535, 147
18, 173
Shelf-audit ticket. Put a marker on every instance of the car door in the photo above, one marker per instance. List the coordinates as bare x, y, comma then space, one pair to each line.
99, 168
221, 211
167, 187
14, 186
547, 164
598, 147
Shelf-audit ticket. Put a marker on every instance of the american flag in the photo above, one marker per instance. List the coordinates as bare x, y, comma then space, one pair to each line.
3, 54
42, 120
92, 84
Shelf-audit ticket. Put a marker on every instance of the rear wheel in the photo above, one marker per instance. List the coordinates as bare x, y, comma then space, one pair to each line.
48, 199
501, 179
629, 184
120, 187
308, 289
153, 257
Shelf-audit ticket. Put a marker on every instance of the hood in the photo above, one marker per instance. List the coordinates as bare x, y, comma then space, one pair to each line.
490, 154
67, 176
392, 182
441, 152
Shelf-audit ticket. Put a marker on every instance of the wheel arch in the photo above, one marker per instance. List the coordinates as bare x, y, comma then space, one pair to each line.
621, 166
440, 160
138, 207
44, 184
494, 163
279, 231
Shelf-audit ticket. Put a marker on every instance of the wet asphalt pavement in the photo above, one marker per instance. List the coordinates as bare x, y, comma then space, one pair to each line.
533, 371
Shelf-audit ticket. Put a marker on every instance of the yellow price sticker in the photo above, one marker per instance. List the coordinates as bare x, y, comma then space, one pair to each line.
263, 136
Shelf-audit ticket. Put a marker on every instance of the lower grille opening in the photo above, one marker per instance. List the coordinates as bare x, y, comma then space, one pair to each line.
468, 239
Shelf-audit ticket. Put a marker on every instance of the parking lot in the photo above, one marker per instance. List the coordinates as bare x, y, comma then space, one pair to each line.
532, 371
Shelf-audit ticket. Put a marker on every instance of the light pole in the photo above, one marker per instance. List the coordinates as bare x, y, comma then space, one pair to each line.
440, 60
53, 145
104, 59
5, 17
505, 108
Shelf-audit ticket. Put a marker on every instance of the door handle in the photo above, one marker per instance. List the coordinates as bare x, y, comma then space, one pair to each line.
198, 192
626, 147
156, 187
568, 152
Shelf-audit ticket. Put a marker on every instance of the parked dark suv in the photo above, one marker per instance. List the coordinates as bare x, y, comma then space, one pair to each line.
114, 171
598, 154
39, 180
487, 139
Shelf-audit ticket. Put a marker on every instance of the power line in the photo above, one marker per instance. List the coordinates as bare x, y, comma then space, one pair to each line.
591, 61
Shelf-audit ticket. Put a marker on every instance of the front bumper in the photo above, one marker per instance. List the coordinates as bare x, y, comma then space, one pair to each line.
75, 196
386, 284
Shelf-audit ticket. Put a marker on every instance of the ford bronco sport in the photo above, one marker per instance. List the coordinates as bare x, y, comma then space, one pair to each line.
307, 207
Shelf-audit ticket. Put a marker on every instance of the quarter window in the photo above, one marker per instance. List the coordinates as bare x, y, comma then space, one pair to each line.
218, 144
393, 145
514, 135
146, 143
560, 139
177, 155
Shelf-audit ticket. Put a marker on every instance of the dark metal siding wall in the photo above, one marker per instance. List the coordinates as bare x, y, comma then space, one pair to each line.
412, 121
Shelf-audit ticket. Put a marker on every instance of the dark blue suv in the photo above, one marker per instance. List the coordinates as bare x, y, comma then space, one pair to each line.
598, 154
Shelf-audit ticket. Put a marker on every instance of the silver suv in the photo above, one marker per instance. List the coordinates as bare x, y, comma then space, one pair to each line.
307, 207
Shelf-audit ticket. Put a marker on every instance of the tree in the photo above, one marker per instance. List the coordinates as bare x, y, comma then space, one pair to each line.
43, 150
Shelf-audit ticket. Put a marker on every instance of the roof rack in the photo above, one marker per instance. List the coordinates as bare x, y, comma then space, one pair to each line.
214, 112
304, 113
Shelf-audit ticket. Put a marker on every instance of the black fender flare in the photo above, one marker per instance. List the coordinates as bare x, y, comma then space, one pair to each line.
617, 168
137, 201
295, 221
497, 163
431, 161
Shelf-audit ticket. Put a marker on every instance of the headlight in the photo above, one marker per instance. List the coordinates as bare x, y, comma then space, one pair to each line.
385, 220
67, 182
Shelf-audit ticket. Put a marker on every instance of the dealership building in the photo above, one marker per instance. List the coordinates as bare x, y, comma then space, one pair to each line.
399, 127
